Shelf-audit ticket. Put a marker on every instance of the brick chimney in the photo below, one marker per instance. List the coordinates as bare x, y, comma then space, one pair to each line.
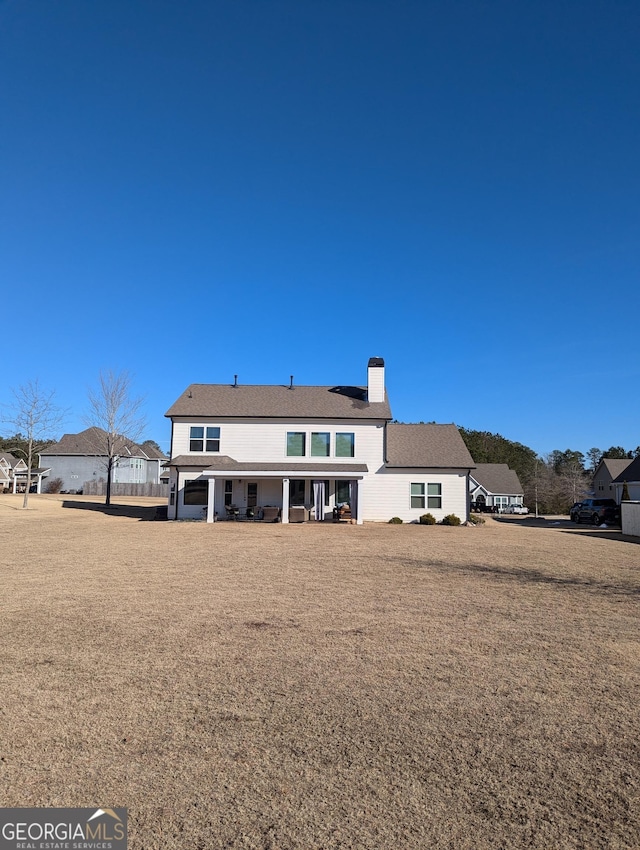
375, 380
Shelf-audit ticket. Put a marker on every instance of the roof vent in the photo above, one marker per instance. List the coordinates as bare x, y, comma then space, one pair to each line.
291, 384
235, 380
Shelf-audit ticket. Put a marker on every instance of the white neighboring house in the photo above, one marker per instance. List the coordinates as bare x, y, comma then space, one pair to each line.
77, 458
493, 487
630, 476
312, 449
13, 475
9, 466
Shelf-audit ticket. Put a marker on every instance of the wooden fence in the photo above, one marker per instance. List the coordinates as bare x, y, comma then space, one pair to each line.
99, 488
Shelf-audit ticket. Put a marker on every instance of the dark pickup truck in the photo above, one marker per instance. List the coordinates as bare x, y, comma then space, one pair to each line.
597, 511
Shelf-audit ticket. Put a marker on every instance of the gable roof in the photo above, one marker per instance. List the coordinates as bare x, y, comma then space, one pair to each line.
10, 459
615, 466
631, 472
426, 446
223, 401
153, 453
89, 442
498, 478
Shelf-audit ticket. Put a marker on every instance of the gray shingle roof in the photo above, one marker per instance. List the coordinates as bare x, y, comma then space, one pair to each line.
224, 463
426, 446
10, 459
615, 466
88, 442
220, 401
631, 472
498, 478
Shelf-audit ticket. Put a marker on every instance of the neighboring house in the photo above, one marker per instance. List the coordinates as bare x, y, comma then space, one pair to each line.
13, 475
494, 486
607, 470
313, 448
9, 466
631, 475
80, 457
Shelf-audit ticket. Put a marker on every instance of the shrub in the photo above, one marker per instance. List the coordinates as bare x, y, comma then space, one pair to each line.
427, 519
54, 485
395, 520
475, 519
451, 519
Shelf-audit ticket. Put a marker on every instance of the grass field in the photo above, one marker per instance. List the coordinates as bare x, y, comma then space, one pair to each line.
321, 686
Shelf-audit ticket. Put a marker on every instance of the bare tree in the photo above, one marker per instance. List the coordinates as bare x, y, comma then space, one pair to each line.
116, 415
36, 416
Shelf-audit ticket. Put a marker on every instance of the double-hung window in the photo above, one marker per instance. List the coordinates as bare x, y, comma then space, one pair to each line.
434, 495
204, 439
417, 495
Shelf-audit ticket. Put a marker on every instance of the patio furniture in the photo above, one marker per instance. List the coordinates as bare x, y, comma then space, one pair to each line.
270, 514
297, 513
341, 512
232, 511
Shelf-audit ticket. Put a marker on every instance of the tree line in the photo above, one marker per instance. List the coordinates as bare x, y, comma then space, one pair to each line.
554, 481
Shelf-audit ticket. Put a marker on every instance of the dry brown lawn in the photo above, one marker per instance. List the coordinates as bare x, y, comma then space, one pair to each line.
265, 686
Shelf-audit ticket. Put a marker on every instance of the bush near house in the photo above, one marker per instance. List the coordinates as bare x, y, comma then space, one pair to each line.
54, 485
475, 519
395, 520
451, 519
427, 519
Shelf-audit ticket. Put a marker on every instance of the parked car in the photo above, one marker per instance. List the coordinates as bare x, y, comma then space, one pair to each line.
598, 511
519, 509
573, 511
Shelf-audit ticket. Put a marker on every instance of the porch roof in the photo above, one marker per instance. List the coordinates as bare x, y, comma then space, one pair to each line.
225, 465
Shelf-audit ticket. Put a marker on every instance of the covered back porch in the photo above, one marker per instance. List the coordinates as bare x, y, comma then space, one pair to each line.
316, 492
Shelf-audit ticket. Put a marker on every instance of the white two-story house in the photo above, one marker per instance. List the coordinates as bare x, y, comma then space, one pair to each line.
312, 449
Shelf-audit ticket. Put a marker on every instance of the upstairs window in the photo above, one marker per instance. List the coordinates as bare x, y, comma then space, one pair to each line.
296, 443
204, 439
320, 444
345, 444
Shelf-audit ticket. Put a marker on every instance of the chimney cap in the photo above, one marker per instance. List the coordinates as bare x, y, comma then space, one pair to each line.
376, 361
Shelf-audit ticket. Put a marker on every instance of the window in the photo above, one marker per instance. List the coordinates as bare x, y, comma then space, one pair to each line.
343, 493
203, 439
345, 445
296, 492
296, 443
195, 492
228, 492
320, 444
417, 495
434, 495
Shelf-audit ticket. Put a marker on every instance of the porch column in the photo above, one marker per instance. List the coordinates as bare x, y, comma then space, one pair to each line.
211, 500
285, 500
359, 502
39, 484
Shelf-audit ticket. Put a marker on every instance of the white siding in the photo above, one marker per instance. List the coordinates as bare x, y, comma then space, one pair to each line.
388, 494
631, 518
266, 442
384, 493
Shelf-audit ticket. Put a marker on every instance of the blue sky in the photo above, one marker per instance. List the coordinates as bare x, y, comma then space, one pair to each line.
195, 190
